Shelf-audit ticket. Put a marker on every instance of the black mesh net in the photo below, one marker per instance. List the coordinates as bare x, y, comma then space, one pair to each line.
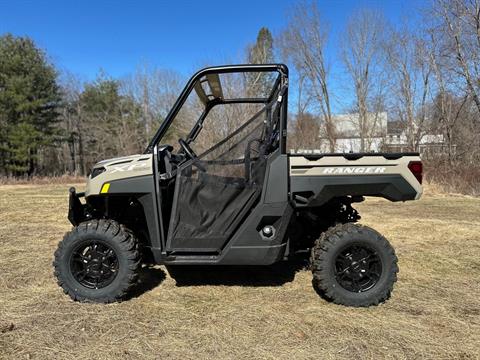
234, 156
211, 203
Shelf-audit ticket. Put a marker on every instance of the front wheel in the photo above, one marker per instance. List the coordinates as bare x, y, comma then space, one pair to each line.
97, 261
353, 265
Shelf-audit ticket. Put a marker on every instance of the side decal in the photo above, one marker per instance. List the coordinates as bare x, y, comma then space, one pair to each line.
127, 167
354, 170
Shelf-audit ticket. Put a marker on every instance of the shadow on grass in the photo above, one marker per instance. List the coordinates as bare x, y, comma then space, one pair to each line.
149, 278
273, 275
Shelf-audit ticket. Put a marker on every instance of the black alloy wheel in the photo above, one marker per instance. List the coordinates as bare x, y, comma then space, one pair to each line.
98, 261
94, 264
358, 268
353, 265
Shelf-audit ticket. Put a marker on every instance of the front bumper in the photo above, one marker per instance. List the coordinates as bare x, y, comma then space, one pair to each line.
76, 210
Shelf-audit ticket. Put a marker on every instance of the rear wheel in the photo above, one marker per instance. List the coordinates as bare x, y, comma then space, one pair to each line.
97, 261
353, 265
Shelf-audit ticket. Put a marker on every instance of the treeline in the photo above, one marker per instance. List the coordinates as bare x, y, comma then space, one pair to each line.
422, 71
29, 103
53, 123
110, 117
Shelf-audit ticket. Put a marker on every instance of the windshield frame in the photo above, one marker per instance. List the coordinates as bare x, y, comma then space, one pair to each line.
281, 81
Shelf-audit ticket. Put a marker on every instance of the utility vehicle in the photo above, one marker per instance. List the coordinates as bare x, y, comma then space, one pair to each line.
243, 200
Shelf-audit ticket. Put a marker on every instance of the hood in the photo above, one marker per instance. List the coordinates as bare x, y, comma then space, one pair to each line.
117, 169
122, 159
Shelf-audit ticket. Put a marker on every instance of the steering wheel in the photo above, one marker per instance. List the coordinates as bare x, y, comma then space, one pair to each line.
191, 154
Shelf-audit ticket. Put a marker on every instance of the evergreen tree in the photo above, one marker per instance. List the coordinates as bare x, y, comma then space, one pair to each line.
260, 84
29, 99
112, 121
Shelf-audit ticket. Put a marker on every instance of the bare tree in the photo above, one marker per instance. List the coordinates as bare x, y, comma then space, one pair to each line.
362, 55
410, 70
304, 98
156, 91
73, 124
305, 132
459, 23
304, 44
446, 110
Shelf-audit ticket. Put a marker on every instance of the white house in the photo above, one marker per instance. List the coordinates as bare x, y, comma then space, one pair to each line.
378, 137
347, 129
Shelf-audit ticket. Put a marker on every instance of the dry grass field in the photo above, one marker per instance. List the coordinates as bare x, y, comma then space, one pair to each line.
246, 313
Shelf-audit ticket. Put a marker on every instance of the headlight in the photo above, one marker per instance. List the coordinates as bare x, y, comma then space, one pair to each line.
97, 171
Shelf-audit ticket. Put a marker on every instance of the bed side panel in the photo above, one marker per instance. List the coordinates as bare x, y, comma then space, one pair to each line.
315, 181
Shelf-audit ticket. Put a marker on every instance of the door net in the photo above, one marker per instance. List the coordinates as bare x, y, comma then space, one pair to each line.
210, 204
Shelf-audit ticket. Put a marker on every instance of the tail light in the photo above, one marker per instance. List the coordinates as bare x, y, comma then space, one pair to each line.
416, 168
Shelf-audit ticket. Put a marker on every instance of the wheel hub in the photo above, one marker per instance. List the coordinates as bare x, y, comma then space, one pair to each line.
94, 264
357, 268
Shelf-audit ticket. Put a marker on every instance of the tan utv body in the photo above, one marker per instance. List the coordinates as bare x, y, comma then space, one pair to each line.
371, 174
117, 169
243, 201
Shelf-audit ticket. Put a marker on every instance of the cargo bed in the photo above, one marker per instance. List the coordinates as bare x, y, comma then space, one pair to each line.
317, 178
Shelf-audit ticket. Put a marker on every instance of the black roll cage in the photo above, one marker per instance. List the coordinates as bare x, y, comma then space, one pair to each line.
211, 73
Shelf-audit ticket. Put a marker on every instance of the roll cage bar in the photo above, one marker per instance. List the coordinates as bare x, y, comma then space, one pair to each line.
216, 97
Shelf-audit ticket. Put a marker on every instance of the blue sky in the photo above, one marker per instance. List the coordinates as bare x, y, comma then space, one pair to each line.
116, 36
